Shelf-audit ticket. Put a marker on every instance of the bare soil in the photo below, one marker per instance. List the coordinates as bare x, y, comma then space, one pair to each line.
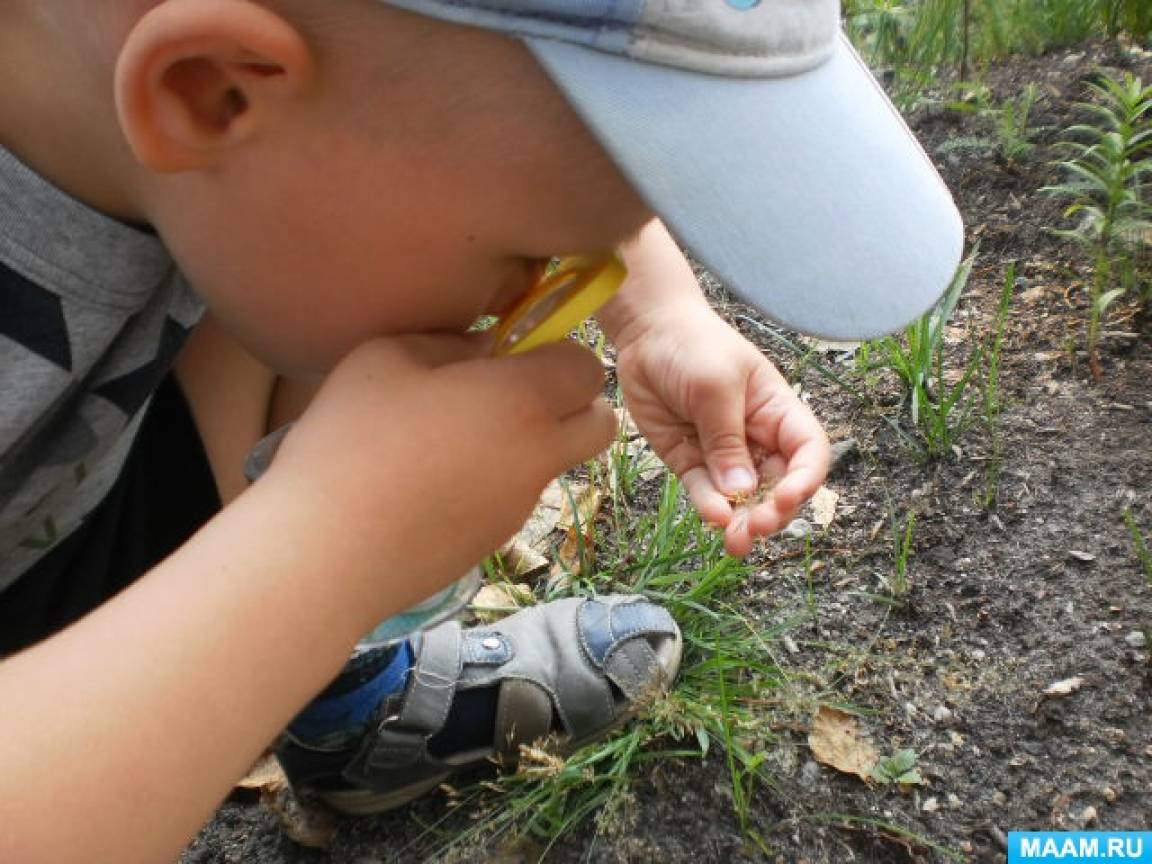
1006, 598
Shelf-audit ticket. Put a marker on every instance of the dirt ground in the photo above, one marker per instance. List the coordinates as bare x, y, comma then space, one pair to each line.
1005, 602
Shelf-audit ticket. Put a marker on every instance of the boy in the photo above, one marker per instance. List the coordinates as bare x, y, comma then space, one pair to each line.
332, 180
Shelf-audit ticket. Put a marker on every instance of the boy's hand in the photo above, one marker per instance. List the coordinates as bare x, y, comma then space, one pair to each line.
706, 398
429, 455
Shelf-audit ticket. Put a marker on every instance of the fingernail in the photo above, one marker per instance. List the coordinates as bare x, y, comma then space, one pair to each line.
739, 480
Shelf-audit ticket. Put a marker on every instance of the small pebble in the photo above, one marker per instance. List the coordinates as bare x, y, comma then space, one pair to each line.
841, 454
930, 805
1088, 816
954, 800
798, 529
942, 715
810, 773
789, 645
1136, 639
999, 798
1109, 794
978, 655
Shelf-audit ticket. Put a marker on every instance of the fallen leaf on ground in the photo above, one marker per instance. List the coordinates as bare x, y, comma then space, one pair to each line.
824, 506
537, 530
265, 774
500, 599
1064, 688
580, 504
308, 826
579, 522
836, 742
817, 344
519, 562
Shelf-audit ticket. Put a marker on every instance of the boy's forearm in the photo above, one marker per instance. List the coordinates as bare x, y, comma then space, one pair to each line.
658, 275
145, 712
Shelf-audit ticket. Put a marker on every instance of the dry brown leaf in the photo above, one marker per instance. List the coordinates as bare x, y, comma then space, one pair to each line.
544, 519
632, 450
579, 524
520, 562
824, 506
1064, 688
307, 825
835, 741
580, 504
500, 599
840, 345
265, 774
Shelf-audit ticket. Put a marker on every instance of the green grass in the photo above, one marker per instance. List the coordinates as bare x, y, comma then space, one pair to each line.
726, 674
940, 410
917, 40
1139, 545
900, 583
992, 397
1107, 169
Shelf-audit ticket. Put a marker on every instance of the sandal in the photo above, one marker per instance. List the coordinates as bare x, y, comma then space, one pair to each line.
574, 669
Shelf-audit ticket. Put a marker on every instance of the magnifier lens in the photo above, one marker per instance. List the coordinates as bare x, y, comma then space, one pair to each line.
544, 306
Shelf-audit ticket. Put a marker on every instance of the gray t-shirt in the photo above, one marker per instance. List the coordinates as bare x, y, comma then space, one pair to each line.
92, 314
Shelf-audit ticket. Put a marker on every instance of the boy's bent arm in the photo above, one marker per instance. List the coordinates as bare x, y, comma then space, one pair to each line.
712, 406
413, 462
135, 722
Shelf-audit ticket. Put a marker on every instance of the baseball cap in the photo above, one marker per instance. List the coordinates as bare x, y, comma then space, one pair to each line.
761, 139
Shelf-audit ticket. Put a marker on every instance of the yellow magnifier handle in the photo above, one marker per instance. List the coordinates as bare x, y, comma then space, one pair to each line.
574, 290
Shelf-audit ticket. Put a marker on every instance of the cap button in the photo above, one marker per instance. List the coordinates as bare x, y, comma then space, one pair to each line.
491, 643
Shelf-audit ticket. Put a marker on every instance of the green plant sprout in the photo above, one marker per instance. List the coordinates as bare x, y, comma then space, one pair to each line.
900, 583
939, 410
993, 400
899, 768
1106, 177
1138, 543
1013, 133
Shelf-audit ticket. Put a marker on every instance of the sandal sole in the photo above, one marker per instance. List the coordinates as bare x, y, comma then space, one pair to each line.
365, 802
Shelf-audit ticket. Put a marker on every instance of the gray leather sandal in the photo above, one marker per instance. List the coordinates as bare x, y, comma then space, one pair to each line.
575, 668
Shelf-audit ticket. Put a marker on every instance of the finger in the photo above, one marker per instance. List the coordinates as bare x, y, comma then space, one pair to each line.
720, 424
713, 507
738, 540
581, 436
564, 376
805, 472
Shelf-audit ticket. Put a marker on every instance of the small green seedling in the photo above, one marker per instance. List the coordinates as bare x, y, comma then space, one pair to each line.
899, 768
940, 410
1138, 543
1106, 171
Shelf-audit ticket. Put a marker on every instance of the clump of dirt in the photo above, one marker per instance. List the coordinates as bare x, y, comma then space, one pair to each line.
1015, 666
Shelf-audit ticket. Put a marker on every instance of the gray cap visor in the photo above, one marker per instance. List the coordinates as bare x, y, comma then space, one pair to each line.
807, 195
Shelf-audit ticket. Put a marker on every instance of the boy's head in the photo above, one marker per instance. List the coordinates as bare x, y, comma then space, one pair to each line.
328, 171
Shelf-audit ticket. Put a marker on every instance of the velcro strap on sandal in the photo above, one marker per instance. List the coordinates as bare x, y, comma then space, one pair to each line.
402, 739
606, 623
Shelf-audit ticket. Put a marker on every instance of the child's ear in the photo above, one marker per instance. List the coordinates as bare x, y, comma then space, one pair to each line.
196, 78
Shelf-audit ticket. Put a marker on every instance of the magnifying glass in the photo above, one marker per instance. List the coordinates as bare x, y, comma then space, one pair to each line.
563, 297
567, 293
